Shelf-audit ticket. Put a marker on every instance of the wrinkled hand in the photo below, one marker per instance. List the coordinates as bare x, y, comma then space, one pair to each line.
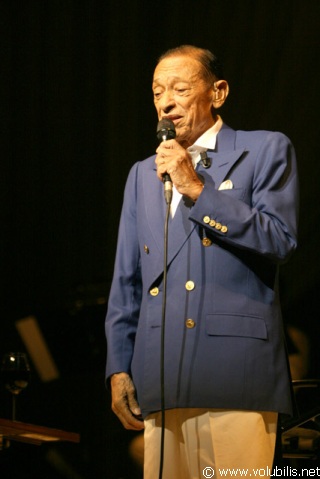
173, 159
124, 403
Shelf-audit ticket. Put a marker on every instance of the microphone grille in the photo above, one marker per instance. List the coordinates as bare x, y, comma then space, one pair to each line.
166, 129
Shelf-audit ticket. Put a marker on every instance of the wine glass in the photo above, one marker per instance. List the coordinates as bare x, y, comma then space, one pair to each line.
15, 372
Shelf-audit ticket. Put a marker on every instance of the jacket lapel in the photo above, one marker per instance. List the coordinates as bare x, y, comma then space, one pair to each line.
155, 206
221, 164
224, 157
180, 227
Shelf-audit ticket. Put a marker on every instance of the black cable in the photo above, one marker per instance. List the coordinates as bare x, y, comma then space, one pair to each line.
163, 322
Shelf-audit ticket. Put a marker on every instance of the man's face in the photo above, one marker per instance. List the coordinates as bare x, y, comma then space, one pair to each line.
181, 95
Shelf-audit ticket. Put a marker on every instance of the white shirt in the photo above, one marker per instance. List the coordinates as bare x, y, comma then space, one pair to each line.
203, 143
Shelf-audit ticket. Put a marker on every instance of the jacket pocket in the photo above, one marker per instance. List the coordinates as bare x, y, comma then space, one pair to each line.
236, 325
237, 193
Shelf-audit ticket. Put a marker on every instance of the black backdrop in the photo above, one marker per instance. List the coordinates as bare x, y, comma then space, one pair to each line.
76, 112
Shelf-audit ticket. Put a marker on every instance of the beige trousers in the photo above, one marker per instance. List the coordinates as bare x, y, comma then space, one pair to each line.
202, 444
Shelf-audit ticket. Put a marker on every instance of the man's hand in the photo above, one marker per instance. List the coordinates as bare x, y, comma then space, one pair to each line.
173, 159
124, 403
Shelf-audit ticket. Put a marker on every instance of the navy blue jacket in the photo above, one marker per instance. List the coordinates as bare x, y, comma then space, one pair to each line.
224, 345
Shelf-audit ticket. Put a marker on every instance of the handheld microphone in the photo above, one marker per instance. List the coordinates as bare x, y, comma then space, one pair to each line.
166, 131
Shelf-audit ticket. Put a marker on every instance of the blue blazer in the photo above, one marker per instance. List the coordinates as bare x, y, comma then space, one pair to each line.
224, 345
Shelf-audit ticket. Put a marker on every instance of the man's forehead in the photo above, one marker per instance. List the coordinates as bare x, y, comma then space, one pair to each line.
183, 68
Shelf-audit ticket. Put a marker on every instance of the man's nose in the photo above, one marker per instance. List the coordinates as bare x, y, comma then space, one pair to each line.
167, 100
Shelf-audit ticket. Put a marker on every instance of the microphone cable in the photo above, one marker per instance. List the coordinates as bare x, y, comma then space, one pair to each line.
162, 348
165, 131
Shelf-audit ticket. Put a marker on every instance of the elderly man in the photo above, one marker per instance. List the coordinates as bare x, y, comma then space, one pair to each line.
233, 221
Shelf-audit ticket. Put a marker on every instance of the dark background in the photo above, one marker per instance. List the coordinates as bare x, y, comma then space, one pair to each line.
76, 112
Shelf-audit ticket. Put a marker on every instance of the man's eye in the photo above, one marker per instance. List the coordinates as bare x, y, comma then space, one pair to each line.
156, 94
181, 91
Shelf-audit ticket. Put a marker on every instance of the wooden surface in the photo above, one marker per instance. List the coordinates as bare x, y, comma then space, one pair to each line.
33, 434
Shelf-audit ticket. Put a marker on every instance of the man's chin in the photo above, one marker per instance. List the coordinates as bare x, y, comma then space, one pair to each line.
182, 134
183, 138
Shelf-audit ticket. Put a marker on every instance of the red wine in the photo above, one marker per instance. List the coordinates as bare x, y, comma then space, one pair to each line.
15, 381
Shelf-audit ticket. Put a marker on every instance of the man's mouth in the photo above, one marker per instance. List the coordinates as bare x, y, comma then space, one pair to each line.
174, 118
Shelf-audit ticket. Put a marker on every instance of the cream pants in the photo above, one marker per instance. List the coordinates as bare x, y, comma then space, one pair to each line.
202, 444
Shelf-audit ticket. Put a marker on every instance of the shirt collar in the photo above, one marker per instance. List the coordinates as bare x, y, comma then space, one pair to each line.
205, 142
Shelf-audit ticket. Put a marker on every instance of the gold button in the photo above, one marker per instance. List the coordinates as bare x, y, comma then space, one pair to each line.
190, 323
154, 291
218, 226
146, 249
190, 285
224, 229
212, 223
206, 219
206, 242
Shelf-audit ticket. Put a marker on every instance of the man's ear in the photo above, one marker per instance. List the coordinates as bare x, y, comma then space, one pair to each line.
220, 93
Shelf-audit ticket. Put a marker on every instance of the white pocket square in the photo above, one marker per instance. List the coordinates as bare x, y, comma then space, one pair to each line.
226, 185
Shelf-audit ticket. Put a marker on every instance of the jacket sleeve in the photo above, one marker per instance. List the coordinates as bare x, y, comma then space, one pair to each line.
126, 289
266, 222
